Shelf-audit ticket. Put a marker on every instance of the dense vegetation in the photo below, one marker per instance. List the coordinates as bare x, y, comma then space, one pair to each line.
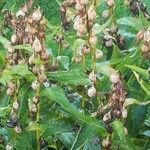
75, 74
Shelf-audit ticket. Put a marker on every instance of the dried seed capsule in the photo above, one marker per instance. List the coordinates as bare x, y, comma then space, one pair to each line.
92, 76
145, 48
140, 35
114, 78
147, 36
92, 91
37, 15
30, 20
79, 7
42, 77
20, 13
10, 49
98, 54
35, 85
9, 147
106, 143
37, 46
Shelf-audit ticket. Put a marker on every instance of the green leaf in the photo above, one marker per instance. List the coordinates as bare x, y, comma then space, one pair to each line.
26, 47
85, 134
57, 94
23, 71
135, 118
74, 77
131, 101
97, 28
119, 138
139, 70
105, 69
145, 86
136, 23
4, 41
116, 52
64, 61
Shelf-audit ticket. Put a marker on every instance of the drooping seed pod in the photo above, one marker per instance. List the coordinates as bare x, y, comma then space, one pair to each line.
92, 91
37, 15
110, 3
35, 100
92, 76
47, 83
93, 40
35, 85
9, 147
18, 129
33, 108
98, 54
109, 43
107, 118
114, 78
91, 13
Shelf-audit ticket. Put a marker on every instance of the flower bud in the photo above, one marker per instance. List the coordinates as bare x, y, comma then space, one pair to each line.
98, 54
10, 49
47, 83
84, 2
14, 38
31, 59
33, 108
92, 91
9, 92
30, 20
92, 76
110, 3
105, 14
35, 85
106, 143
37, 15
109, 43
93, 40
15, 105
85, 49
114, 78
91, 13
79, 7
11, 85
42, 77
